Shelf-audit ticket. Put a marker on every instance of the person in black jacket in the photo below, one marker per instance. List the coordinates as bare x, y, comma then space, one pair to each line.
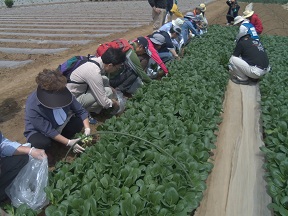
232, 11
248, 62
158, 12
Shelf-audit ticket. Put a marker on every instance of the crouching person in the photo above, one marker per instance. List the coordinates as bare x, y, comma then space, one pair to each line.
131, 75
53, 113
13, 157
249, 61
91, 87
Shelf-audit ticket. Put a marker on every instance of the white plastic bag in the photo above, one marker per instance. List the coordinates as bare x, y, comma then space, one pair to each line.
28, 186
122, 101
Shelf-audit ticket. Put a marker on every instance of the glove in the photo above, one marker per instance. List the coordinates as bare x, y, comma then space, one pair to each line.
87, 131
37, 153
76, 148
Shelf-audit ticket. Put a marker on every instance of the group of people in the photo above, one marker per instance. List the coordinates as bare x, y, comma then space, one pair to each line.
63, 103
249, 61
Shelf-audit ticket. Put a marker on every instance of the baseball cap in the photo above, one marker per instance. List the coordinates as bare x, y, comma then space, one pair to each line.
142, 41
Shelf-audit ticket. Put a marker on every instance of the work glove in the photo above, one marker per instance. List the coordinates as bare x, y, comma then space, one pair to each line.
87, 131
76, 148
37, 153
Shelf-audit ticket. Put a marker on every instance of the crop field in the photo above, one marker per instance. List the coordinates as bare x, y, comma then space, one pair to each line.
275, 120
155, 159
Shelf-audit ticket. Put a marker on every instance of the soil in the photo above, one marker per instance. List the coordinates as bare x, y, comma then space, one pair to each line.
17, 84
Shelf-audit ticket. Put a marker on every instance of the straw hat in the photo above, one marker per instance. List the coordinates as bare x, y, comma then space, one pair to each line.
203, 6
248, 13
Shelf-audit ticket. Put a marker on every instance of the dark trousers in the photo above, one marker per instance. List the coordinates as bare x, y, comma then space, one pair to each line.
9, 168
41, 141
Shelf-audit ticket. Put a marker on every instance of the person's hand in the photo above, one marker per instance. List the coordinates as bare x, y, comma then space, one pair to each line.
37, 153
76, 148
87, 131
157, 10
115, 104
177, 57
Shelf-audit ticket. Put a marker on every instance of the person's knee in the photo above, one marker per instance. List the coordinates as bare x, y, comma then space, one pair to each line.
40, 141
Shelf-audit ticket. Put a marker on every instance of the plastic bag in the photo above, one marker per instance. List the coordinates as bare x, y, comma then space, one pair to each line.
122, 101
28, 186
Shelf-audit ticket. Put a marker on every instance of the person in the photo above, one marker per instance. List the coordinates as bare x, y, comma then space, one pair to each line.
151, 61
232, 11
188, 28
254, 20
177, 23
131, 76
169, 14
195, 18
203, 20
245, 27
167, 50
91, 87
158, 12
167, 26
249, 61
13, 157
53, 113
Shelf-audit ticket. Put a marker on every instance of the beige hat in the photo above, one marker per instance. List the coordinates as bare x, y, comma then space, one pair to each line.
177, 22
248, 13
238, 19
203, 6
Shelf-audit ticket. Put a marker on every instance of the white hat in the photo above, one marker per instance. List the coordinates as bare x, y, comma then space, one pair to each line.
248, 13
177, 22
238, 19
203, 6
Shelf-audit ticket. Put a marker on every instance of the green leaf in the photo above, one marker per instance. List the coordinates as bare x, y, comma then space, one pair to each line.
104, 182
171, 196
115, 210
155, 197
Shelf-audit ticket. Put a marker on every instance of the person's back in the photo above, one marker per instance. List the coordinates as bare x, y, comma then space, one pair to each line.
88, 74
253, 52
255, 20
251, 30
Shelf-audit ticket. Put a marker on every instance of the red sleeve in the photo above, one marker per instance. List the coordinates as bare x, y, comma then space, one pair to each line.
255, 20
155, 56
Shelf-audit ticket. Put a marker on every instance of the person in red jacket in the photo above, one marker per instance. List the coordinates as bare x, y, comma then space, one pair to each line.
254, 19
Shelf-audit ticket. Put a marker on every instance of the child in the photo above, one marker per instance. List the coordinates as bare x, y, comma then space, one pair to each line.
233, 11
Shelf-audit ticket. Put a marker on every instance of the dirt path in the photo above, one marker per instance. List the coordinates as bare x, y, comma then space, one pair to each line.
236, 185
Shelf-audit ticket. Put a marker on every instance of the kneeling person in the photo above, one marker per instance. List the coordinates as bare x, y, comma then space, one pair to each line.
131, 76
249, 61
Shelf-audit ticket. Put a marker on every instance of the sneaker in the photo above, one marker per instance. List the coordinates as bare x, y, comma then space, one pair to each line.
92, 120
241, 82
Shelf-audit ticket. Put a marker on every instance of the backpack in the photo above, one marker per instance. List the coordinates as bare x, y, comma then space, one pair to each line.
117, 43
71, 64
